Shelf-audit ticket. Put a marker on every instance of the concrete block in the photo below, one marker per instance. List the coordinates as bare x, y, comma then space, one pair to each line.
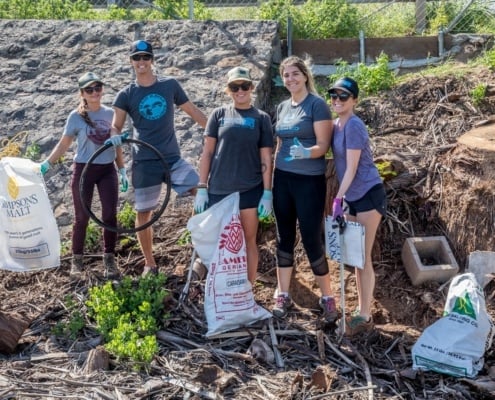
428, 259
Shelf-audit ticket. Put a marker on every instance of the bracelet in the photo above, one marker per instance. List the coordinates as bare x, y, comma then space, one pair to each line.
202, 185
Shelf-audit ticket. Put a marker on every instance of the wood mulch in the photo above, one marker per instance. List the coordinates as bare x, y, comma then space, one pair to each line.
415, 127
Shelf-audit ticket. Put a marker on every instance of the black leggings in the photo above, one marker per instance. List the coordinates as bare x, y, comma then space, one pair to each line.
300, 198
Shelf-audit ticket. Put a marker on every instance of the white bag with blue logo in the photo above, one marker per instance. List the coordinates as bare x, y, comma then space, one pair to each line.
29, 236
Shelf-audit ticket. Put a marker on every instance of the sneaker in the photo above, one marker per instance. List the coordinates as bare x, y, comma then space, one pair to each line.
282, 305
356, 324
149, 270
330, 313
111, 269
77, 266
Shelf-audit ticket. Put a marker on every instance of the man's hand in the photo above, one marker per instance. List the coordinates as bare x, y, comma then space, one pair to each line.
117, 140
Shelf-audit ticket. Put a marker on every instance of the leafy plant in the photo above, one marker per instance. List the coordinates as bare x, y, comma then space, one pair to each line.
75, 323
478, 94
65, 247
313, 20
129, 315
488, 58
371, 78
93, 236
267, 222
185, 238
386, 170
126, 217
33, 152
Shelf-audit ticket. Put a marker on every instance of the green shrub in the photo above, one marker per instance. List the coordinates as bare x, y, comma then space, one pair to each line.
478, 94
92, 240
126, 217
371, 78
314, 22
73, 325
128, 316
33, 152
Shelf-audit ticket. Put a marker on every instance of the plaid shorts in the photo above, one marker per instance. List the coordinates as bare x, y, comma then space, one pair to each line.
147, 179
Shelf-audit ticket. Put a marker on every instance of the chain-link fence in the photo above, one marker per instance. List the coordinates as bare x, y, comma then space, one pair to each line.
408, 16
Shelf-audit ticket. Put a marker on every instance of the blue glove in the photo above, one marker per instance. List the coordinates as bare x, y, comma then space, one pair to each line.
45, 166
337, 210
117, 140
201, 200
124, 182
265, 205
298, 151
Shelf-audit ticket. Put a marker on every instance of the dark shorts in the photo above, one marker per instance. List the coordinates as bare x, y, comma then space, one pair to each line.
248, 199
374, 199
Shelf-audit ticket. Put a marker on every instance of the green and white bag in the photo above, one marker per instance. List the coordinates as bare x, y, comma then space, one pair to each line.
455, 344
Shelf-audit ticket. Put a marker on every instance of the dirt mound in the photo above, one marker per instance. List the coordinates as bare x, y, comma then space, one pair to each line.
435, 187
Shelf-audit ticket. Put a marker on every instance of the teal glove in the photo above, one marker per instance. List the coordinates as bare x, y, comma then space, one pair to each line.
298, 151
201, 201
124, 182
265, 206
117, 140
45, 166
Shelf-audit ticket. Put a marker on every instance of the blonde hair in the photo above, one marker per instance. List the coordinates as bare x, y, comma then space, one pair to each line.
303, 66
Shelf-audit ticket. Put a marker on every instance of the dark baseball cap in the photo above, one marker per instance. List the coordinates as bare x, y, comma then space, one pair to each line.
346, 84
141, 47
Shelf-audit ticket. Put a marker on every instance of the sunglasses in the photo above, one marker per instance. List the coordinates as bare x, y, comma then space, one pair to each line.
139, 57
91, 89
244, 86
341, 96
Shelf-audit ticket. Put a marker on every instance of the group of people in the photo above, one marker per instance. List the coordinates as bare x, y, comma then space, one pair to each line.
237, 156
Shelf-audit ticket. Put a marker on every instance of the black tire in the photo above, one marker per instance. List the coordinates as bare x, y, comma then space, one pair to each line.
157, 214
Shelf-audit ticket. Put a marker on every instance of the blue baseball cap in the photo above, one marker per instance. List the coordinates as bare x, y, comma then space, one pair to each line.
141, 47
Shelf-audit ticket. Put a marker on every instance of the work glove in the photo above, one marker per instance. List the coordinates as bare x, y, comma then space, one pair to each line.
337, 210
117, 140
298, 151
124, 182
265, 206
201, 201
45, 166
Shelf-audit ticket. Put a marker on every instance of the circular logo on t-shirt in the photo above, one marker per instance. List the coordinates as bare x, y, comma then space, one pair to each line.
153, 106
100, 132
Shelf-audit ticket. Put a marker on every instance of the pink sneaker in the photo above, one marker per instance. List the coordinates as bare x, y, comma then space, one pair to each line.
282, 305
329, 308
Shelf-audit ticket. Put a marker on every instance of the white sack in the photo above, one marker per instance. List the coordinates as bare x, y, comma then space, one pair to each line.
455, 344
218, 238
29, 236
349, 248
